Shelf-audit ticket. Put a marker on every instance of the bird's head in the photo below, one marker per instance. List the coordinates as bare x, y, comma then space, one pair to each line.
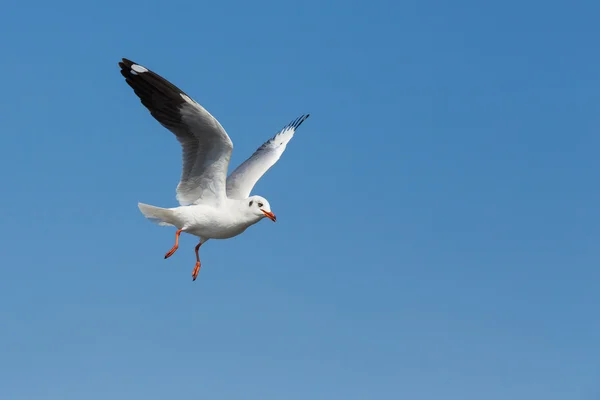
259, 206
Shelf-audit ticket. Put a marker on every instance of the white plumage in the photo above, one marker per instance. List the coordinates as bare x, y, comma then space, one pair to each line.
212, 205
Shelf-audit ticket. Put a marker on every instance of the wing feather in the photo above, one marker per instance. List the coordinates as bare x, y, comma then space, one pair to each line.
243, 178
206, 147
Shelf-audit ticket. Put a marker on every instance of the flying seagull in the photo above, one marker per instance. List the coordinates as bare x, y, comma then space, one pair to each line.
212, 204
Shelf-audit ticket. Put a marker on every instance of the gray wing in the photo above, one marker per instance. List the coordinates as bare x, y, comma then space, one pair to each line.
206, 147
242, 180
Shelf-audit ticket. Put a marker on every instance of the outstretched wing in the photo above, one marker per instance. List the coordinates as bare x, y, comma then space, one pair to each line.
242, 180
205, 145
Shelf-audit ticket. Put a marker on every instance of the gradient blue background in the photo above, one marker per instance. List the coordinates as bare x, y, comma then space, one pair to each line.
438, 214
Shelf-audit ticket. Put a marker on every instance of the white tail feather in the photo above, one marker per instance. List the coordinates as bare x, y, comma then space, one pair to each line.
160, 216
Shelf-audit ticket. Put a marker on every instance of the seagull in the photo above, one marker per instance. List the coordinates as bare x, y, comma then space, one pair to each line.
212, 204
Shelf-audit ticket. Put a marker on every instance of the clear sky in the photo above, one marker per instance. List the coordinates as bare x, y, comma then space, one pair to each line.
438, 214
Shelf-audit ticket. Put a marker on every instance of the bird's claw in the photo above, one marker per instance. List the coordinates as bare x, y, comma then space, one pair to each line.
196, 270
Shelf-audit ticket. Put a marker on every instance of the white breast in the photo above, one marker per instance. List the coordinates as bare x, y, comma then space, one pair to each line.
212, 223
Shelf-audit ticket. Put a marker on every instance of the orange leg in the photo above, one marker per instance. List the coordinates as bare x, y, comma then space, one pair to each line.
174, 249
197, 267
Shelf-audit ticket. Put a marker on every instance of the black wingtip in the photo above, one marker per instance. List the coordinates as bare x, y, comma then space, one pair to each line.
125, 63
299, 121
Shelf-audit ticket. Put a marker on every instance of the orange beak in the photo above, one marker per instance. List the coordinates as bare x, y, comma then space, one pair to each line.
270, 215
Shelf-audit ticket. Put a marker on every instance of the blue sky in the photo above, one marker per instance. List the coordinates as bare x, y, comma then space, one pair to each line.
438, 214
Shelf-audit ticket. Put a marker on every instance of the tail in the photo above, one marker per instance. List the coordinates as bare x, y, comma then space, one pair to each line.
160, 216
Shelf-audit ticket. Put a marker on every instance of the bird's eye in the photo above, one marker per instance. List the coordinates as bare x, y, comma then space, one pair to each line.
251, 201
260, 204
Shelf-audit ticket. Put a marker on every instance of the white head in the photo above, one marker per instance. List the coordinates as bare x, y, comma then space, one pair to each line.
260, 207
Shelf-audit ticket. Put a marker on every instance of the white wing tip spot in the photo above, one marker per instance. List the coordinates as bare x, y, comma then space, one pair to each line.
138, 68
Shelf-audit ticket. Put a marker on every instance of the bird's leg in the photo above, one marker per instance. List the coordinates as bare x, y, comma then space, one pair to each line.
174, 249
197, 267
